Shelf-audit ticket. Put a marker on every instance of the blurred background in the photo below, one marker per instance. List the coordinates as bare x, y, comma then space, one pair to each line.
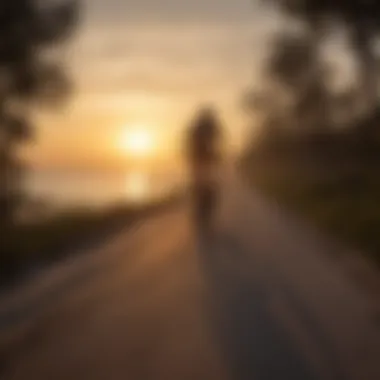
97, 96
139, 72
97, 99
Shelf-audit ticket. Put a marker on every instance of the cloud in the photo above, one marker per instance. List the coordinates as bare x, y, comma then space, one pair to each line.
163, 58
169, 10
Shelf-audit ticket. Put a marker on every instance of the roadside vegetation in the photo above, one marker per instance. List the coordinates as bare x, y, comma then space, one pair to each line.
29, 247
343, 202
317, 151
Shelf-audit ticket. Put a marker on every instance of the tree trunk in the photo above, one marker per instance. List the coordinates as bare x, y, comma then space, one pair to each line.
368, 70
8, 176
318, 95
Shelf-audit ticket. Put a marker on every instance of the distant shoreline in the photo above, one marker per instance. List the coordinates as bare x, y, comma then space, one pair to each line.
98, 189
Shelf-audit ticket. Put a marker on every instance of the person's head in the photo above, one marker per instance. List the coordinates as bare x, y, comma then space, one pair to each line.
207, 113
207, 120
205, 132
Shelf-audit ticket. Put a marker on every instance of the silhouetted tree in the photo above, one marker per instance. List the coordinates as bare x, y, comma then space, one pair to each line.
30, 72
361, 20
295, 71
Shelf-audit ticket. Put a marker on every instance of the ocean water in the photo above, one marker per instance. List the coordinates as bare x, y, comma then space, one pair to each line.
99, 189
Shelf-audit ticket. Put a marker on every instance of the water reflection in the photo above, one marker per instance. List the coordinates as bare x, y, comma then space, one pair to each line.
78, 189
138, 187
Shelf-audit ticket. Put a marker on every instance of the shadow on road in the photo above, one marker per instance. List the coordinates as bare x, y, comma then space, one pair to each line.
252, 341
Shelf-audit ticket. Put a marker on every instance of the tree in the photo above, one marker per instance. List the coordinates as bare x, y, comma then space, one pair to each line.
296, 86
361, 20
30, 72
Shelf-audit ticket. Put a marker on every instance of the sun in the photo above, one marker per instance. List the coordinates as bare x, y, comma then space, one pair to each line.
137, 141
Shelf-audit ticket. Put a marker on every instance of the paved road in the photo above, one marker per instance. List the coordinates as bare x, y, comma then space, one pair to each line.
263, 301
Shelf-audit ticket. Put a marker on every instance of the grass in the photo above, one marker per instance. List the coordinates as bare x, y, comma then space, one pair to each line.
344, 202
24, 247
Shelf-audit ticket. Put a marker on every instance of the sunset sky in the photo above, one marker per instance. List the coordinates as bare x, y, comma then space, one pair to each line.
148, 64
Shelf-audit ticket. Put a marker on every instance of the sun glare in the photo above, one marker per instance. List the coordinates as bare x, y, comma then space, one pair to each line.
138, 142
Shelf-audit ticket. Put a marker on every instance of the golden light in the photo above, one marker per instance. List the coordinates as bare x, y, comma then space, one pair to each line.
137, 186
138, 142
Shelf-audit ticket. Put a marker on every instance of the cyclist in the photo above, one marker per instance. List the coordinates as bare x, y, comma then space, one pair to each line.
204, 156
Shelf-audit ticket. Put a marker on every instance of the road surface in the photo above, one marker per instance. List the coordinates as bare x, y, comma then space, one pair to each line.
263, 300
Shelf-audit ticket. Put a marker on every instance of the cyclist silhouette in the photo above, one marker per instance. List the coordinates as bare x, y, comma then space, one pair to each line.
204, 158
